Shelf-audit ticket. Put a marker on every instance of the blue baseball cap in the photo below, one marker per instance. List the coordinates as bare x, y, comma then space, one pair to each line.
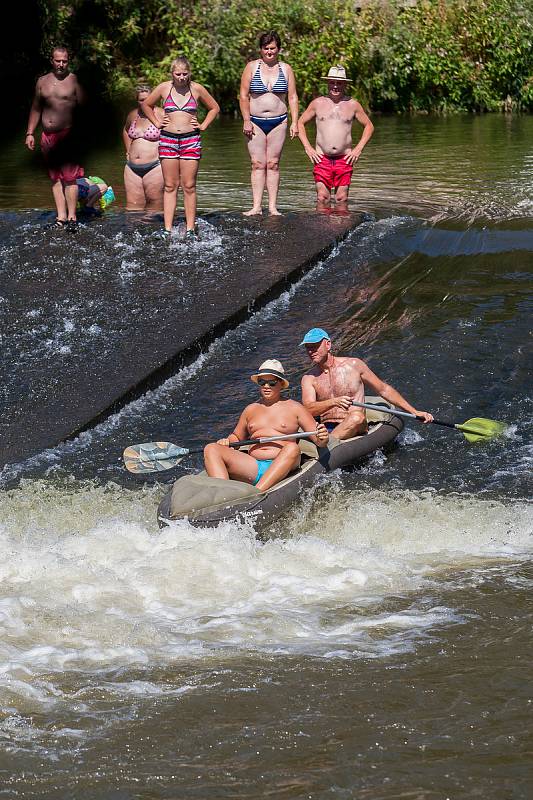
315, 335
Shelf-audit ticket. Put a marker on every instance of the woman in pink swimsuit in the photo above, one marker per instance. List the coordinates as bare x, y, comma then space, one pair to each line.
179, 143
143, 177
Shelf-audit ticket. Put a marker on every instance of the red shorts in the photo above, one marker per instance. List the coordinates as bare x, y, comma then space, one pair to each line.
57, 150
333, 172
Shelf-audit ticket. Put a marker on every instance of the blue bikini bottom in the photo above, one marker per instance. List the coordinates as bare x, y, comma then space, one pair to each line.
268, 124
262, 466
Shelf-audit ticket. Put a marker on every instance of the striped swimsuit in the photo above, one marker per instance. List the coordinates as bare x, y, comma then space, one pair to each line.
267, 124
258, 87
186, 146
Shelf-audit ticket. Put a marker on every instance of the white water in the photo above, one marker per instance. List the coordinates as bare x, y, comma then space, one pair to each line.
89, 585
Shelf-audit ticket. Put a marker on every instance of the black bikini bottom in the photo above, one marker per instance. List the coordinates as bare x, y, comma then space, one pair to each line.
142, 169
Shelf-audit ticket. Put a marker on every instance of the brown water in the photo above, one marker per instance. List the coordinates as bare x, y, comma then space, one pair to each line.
377, 644
470, 164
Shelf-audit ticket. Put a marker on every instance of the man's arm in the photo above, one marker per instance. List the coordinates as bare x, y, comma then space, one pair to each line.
389, 393
34, 117
368, 129
307, 116
308, 423
318, 407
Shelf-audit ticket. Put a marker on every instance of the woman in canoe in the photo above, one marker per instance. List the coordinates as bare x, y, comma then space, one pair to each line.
265, 464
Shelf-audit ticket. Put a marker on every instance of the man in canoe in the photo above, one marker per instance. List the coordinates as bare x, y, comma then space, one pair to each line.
265, 464
334, 381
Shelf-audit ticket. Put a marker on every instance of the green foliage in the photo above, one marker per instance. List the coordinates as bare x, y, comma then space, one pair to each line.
428, 56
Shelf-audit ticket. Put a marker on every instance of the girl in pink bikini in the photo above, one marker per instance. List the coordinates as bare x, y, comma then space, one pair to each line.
143, 177
180, 144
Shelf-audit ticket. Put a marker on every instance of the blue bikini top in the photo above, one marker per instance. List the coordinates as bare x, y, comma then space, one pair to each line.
258, 87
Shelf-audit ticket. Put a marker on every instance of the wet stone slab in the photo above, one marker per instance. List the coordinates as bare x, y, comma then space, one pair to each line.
91, 320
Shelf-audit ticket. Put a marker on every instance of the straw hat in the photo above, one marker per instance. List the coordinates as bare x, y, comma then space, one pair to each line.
271, 367
336, 73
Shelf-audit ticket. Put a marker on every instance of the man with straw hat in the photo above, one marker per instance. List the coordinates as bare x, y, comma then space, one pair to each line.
333, 156
266, 464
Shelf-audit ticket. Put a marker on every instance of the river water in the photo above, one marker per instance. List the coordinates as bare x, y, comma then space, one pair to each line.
377, 642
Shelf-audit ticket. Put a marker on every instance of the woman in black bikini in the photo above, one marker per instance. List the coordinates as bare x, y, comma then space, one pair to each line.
267, 84
143, 177
179, 144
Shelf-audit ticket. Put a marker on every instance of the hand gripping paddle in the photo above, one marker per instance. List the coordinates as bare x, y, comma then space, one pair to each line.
474, 430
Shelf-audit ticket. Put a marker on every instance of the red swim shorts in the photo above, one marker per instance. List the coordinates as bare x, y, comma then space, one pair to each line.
57, 149
333, 172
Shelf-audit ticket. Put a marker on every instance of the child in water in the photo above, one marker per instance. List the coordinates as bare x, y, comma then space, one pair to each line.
94, 195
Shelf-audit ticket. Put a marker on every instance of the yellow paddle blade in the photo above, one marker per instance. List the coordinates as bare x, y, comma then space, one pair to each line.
478, 428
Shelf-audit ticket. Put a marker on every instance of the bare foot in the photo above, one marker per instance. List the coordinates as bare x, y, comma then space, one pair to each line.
253, 212
274, 212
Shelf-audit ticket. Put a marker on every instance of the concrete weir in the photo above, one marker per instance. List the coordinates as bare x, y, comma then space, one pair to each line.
93, 320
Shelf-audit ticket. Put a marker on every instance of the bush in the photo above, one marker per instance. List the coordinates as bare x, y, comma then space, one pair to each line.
430, 55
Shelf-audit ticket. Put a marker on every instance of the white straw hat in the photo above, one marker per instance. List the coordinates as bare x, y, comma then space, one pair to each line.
336, 73
271, 367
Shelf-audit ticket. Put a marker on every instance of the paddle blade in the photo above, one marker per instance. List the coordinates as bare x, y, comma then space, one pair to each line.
152, 457
478, 428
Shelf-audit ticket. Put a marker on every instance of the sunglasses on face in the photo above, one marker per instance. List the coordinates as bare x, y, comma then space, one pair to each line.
272, 382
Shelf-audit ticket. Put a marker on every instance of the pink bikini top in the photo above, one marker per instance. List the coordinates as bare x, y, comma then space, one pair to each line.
190, 107
151, 134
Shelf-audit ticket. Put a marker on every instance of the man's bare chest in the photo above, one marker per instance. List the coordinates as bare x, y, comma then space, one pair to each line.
339, 380
335, 113
57, 92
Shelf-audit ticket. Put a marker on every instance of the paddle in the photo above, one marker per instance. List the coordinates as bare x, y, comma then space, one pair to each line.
159, 456
474, 429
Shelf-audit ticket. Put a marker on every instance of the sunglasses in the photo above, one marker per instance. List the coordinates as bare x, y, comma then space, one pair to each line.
272, 382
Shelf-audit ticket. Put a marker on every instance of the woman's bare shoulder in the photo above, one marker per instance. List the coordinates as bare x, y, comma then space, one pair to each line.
294, 404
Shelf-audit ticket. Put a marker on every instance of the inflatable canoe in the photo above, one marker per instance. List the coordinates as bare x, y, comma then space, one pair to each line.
205, 501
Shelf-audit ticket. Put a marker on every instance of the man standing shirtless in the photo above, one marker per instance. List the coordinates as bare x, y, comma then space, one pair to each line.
334, 381
265, 464
57, 94
333, 156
